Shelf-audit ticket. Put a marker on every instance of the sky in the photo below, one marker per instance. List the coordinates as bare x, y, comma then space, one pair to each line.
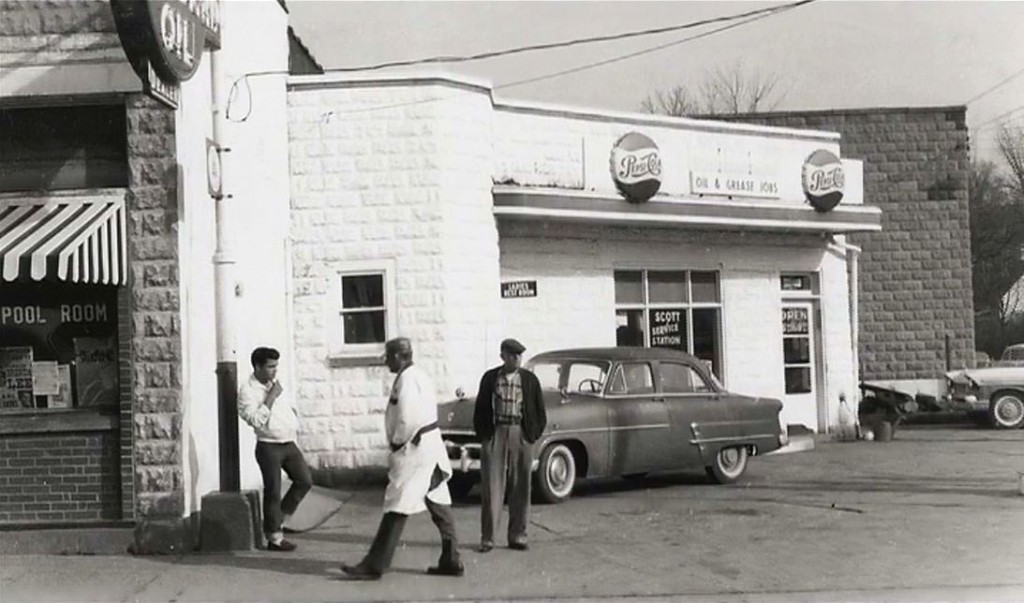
829, 54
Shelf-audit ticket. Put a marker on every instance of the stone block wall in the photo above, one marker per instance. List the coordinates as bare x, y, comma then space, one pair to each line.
155, 312
915, 282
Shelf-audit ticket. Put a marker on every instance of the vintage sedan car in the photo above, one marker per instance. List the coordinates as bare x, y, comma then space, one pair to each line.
994, 392
625, 411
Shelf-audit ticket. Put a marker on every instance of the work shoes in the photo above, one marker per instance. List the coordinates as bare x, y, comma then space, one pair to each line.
285, 545
360, 572
518, 545
486, 547
450, 568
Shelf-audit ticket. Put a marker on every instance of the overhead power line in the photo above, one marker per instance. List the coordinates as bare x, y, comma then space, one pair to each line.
995, 87
992, 121
568, 43
646, 50
762, 14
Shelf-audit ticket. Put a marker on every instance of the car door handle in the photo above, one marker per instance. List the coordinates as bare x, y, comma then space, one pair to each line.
658, 399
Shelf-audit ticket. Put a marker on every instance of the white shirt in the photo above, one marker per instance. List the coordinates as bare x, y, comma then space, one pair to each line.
279, 423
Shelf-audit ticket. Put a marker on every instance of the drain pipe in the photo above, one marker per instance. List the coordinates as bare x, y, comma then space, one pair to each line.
224, 295
853, 267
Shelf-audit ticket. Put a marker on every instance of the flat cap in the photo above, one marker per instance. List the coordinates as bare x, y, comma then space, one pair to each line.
512, 345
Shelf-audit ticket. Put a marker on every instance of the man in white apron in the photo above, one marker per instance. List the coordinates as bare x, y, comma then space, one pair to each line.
418, 469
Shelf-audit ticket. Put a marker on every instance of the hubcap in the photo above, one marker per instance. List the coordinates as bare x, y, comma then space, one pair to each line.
559, 475
1010, 410
730, 458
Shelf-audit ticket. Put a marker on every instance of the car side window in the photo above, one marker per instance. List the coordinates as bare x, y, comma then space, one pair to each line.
632, 378
681, 379
585, 378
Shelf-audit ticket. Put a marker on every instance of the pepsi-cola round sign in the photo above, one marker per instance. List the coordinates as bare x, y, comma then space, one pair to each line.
823, 180
636, 167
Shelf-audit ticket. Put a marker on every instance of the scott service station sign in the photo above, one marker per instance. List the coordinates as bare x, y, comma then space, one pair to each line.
164, 40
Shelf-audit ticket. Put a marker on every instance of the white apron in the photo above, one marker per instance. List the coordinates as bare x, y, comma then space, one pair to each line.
412, 405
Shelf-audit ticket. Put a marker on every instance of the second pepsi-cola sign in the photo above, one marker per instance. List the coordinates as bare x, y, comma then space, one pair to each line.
823, 180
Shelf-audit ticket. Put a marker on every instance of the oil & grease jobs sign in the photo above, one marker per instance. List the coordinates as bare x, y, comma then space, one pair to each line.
164, 40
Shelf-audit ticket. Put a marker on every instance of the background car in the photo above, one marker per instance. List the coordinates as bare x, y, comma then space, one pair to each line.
625, 411
995, 392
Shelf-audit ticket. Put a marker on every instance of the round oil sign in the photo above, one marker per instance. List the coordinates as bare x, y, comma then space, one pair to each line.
636, 167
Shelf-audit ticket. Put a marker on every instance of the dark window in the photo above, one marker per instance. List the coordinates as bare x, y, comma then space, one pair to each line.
363, 311
60, 148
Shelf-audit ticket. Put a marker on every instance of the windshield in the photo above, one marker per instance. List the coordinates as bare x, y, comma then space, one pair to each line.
576, 376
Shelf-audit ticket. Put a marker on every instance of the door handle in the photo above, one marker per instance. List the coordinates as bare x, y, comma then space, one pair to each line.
658, 399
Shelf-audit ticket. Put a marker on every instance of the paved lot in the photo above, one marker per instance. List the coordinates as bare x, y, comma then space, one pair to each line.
935, 515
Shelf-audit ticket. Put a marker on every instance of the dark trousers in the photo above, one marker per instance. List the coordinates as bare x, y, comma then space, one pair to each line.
385, 542
272, 458
506, 456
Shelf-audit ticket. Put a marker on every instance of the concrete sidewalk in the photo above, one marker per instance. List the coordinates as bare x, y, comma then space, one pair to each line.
934, 515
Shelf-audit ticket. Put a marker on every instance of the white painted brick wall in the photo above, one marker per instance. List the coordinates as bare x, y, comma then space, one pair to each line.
409, 182
404, 171
575, 293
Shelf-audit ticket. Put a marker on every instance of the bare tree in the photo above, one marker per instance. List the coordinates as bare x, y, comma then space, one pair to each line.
1010, 142
997, 234
723, 91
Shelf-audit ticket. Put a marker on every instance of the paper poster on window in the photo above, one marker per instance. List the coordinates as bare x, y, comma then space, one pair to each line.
667, 328
96, 370
62, 399
16, 378
45, 379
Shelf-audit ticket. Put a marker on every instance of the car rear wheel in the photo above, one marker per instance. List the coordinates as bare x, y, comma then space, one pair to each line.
556, 475
728, 465
1006, 411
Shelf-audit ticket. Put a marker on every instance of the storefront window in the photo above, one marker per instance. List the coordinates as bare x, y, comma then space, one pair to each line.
59, 346
679, 309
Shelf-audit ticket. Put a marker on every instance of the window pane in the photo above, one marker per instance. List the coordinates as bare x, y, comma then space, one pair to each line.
676, 378
630, 329
707, 339
796, 350
586, 378
796, 282
362, 291
798, 380
364, 327
667, 286
548, 373
638, 378
668, 328
705, 286
629, 288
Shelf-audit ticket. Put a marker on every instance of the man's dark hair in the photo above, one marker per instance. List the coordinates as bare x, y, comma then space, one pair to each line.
261, 355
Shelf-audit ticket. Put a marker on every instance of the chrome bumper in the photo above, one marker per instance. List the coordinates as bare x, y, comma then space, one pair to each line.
969, 402
461, 458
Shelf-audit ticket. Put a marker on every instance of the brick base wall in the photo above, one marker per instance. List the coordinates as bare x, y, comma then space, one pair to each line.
60, 477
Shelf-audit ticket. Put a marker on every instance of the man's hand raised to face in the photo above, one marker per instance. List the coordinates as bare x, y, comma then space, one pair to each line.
275, 391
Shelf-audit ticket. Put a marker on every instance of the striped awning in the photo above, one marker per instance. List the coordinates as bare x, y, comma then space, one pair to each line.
76, 238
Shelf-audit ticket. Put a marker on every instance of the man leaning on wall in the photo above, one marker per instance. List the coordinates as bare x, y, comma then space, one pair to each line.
265, 405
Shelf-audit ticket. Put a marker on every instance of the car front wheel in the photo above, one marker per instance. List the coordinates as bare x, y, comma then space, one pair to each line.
1006, 411
728, 465
556, 474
